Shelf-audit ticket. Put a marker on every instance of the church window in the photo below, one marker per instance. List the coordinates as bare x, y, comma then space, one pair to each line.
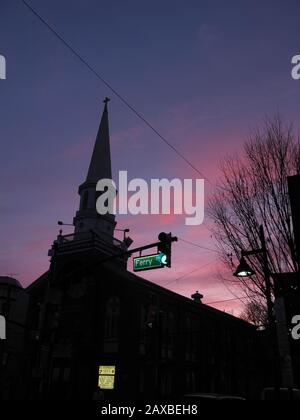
112, 318
85, 200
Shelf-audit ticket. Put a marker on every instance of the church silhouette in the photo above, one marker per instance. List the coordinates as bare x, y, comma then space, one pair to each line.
90, 324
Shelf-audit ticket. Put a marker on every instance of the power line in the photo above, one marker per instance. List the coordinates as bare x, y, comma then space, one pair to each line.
188, 274
207, 303
218, 252
226, 300
114, 91
199, 246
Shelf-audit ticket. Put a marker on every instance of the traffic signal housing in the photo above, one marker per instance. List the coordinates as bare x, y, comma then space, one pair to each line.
165, 246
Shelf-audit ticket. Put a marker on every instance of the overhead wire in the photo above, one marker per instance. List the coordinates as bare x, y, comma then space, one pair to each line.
114, 91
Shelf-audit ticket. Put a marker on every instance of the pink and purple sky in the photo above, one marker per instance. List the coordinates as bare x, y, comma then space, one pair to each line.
204, 73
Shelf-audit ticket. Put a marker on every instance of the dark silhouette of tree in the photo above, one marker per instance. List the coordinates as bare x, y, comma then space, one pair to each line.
256, 313
253, 191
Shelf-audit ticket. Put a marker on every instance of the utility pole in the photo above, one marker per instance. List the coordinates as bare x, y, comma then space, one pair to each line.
267, 275
244, 270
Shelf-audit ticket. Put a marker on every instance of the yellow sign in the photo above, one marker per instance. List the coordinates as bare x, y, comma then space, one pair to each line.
107, 370
106, 382
106, 378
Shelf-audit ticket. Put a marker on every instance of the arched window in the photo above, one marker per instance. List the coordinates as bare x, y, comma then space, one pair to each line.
188, 341
143, 330
171, 332
85, 200
112, 318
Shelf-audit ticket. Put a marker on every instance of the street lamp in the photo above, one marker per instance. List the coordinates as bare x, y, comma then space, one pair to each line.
60, 223
244, 270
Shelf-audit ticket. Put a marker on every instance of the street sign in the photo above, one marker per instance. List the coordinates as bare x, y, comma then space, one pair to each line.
149, 262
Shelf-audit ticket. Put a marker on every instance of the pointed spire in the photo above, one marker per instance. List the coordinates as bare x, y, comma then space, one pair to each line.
100, 166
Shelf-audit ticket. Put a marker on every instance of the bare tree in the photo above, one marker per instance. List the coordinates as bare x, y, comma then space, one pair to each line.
253, 191
256, 313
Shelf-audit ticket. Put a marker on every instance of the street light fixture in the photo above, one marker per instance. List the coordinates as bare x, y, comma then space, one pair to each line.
60, 223
244, 269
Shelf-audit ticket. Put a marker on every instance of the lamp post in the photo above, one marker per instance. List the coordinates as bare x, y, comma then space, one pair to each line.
244, 270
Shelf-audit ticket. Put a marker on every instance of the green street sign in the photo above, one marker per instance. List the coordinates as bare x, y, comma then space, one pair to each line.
149, 262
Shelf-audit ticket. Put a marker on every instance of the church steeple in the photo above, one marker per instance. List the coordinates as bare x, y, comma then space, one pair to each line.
100, 165
87, 218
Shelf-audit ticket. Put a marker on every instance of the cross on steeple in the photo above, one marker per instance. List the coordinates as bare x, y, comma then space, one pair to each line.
106, 100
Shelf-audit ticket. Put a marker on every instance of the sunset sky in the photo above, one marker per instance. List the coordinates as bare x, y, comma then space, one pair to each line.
204, 73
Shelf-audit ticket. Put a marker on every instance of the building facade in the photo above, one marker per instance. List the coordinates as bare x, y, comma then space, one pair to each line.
90, 321
161, 345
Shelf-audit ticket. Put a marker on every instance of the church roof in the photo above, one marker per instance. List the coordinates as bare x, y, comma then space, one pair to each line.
100, 165
10, 281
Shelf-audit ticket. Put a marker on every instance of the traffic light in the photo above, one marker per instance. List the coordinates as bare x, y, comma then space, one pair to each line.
165, 246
